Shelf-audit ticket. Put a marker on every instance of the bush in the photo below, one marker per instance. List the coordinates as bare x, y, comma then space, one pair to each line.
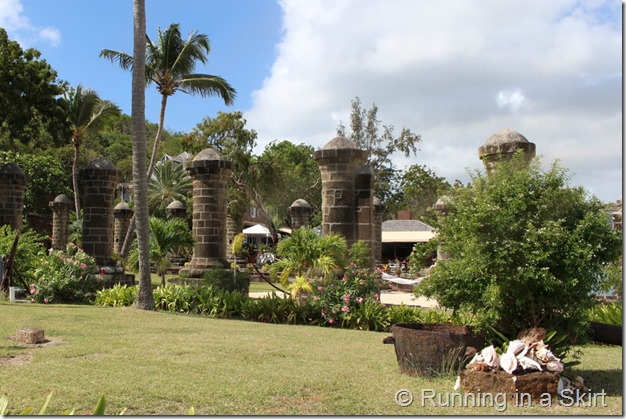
337, 300
29, 254
526, 251
66, 277
228, 280
117, 296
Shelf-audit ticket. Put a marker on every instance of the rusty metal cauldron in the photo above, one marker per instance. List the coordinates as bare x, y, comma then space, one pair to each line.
428, 349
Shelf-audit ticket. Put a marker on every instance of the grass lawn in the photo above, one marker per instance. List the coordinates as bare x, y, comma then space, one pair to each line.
161, 363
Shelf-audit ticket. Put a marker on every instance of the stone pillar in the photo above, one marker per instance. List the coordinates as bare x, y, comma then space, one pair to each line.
210, 172
339, 161
122, 214
231, 232
379, 210
99, 180
441, 207
60, 221
502, 145
364, 203
176, 209
12, 186
300, 213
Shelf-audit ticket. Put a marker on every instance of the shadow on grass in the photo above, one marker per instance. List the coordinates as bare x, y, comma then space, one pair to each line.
608, 380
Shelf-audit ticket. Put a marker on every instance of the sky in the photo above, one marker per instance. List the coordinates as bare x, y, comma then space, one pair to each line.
455, 72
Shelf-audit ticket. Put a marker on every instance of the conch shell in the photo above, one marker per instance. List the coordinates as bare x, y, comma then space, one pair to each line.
490, 356
517, 348
508, 362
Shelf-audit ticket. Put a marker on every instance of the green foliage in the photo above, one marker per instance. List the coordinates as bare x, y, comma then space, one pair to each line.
30, 253
99, 410
359, 254
47, 178
117, 296
526, 250
609, 313
228, 280
238, 242
338, 300
168, 182
419, 256
66, 277
32, 114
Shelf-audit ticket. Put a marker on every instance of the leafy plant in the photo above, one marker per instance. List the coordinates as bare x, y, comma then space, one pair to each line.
116, 296
227, 280
30, 252
66, 277
609, 313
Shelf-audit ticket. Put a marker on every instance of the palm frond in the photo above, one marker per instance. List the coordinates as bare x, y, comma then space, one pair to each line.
208, 85
196, 48
124, 60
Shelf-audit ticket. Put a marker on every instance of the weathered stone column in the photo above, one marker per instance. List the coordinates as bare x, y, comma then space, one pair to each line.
502, 145
379, 211
300, 213
12, 187
364, 202
60, 221
231, 232
339, 161
441, 207
176, 209
210, 172
99, 179
122, 214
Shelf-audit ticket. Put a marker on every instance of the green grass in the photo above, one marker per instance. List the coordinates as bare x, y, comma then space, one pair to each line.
263, 286
161, 363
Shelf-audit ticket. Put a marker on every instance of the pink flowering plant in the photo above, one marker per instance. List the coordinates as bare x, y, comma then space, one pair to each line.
66, 277
338, 300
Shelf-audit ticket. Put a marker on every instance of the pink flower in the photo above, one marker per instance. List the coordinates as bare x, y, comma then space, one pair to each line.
376, 296
32, 300
320, 288
361, 282
315, 298
331, 321
345, 309
359, 300
102, 271
346, 298
45, 300
83, 266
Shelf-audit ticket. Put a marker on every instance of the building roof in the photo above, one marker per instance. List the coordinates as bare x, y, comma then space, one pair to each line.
406, 231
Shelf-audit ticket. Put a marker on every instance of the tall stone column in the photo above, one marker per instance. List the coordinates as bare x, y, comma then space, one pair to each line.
176, 209
441, 207
210, 172
60, 221
300, 213
339, 161
122, 214
99, 180
12, 187
502, 145
379, 211
364, 201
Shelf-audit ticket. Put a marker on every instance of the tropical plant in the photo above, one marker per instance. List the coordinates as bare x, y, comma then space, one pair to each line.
168, 182
359, 254
609, 313
29, 254
299, 288
167, 238
526, 250
87, 114
116, 296
66, 277
227, 280
307, 254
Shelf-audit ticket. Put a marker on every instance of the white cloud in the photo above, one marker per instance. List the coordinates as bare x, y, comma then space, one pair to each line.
512, 99
19, 27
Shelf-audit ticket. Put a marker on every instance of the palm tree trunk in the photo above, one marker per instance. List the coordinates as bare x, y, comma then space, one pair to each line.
145, 299
75, 180
128, 239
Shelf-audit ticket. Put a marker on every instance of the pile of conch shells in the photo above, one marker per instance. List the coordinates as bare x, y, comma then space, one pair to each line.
520, 355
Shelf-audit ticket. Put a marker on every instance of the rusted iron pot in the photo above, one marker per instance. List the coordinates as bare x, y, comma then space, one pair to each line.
428, 349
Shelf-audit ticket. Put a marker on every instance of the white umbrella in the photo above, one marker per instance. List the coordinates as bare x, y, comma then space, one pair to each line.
257, 230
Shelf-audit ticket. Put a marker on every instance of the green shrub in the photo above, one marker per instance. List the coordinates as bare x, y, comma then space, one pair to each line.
228, 280
117, 296
29, 254
609, 313
336, 300
66, 277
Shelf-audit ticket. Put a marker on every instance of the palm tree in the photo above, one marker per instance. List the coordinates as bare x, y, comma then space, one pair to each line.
170, 65
145, 299
167, 238
307, 254
87, 114
168, 182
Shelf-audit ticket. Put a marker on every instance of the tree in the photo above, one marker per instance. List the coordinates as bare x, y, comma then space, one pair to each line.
305, 254
32, 111
145, 299
170, 65
168, 182
419, 188
167, 238
526, 250
364, 125
86, 115
288, 172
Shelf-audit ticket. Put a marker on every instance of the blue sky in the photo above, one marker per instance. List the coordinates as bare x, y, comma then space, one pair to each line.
455, 72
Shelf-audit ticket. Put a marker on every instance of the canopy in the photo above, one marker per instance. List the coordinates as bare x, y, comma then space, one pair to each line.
256, 230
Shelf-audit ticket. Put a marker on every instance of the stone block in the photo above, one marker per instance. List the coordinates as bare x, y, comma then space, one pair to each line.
534, 385
30, 335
